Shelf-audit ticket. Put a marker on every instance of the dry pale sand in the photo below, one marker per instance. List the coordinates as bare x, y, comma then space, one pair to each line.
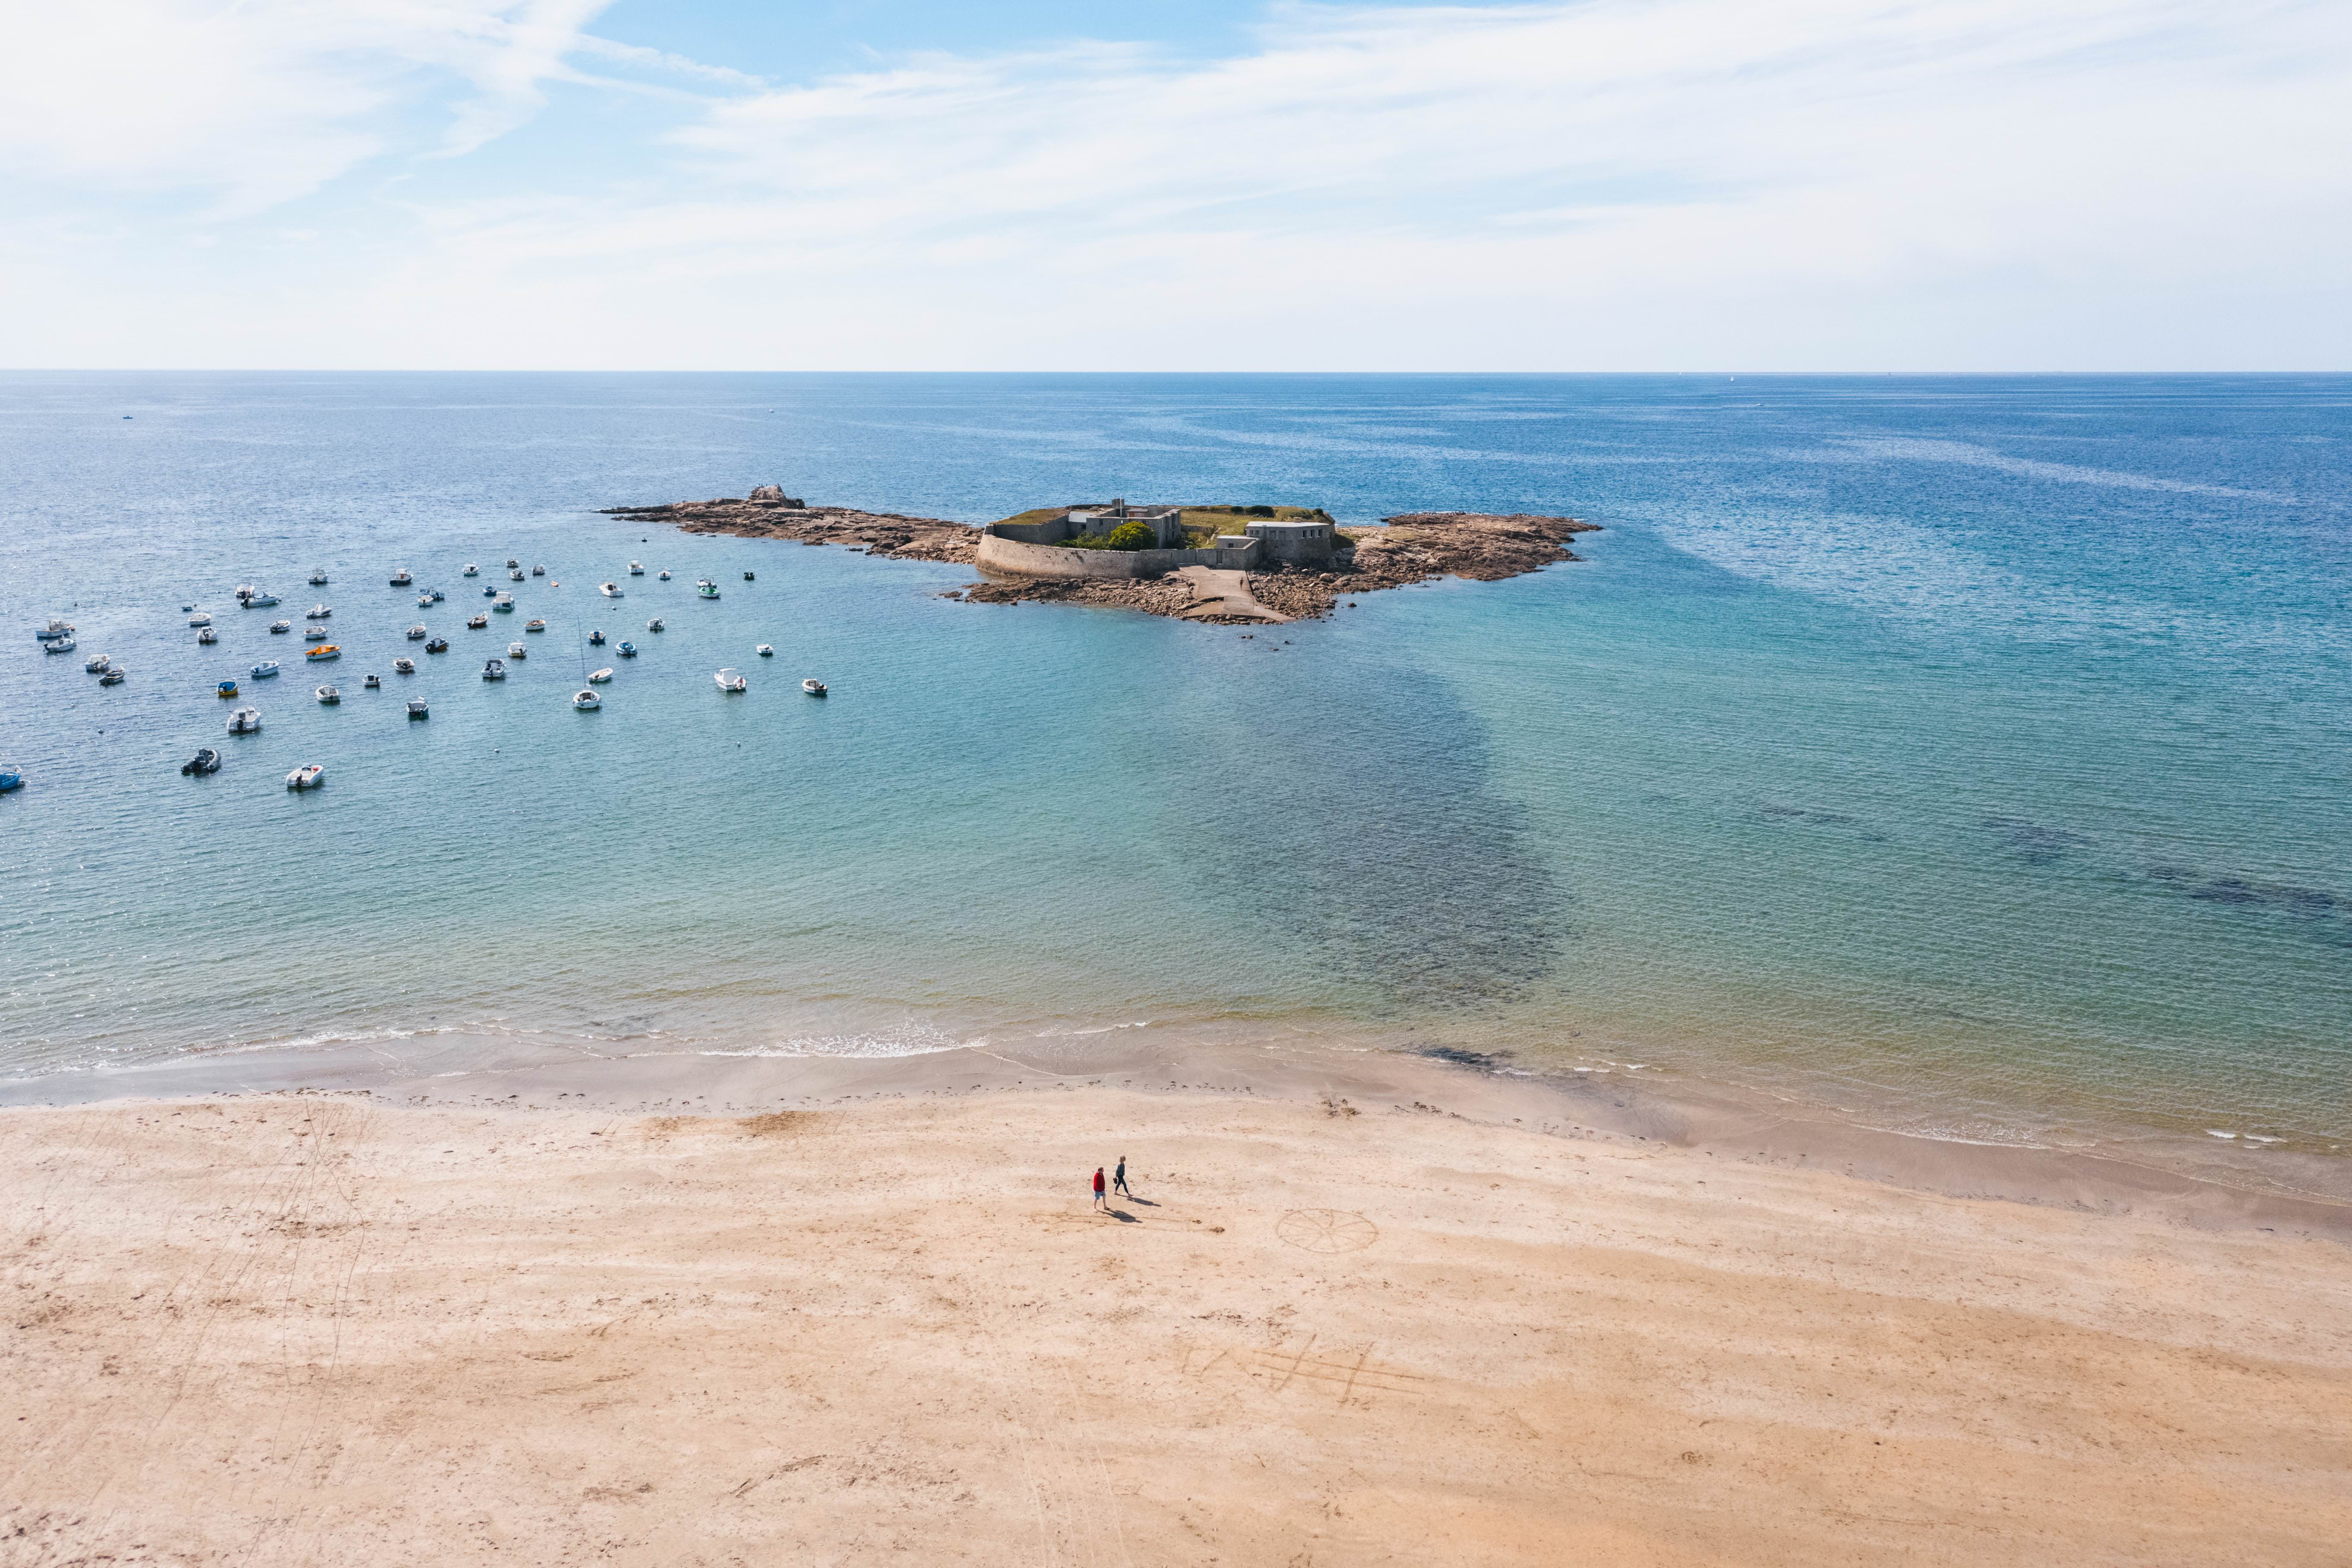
315, 1328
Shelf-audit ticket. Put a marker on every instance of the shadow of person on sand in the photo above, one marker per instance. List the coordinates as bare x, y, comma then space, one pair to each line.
1123, 1217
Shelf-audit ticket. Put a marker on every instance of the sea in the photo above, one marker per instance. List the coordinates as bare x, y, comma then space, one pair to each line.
1964, 755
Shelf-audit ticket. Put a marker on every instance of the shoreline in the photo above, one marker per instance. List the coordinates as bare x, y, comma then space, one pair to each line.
460, 1070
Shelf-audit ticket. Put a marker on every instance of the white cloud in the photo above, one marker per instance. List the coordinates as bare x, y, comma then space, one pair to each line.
262, 101
1950, 184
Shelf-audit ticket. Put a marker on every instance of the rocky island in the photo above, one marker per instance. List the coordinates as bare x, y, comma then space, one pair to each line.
1223, 564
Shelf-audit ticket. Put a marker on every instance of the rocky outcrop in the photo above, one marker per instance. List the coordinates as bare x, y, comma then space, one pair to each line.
874, 532
1418, 546
1412, 548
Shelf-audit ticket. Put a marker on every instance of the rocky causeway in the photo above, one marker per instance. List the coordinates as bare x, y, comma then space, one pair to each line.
1411, 547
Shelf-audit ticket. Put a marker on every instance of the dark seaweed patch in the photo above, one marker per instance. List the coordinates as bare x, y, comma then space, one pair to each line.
1485, 1061
2035, 843
1802, 814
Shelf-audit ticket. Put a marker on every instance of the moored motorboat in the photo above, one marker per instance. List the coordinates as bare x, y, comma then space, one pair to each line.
514, 576
258, 600
610, 590
401, 579
731, 680
539, 571
746, 576
245, 721
598, 677
586, 700
635, 569
417, 633
205, 761
496, 670
310, 776
200, 619
654, 624
59, 645
475, 623
814, 687
328, 695
438, 645
662, 576
404, 667
629, 651
314, 633
373, 682
517, 650
489, 590
266, 669
472, 570
324, 651
707, 589
424, 601
766, 650
435, 594
115, 676
279, 628
596, 640
534, 624
512, 562
503, 604
245, 591
206, 635
96, 663
55, 630
318, 575
321, 612
11, 778
225, 689
419, 710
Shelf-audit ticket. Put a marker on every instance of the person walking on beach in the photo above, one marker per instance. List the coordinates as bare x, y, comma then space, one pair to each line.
1099, 1201
1119, 1178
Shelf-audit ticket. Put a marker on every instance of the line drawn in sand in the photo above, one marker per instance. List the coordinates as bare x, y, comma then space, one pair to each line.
1326, 1230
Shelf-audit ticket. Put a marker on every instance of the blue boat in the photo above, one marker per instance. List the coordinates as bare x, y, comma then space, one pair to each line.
265, 669
629, 651
10, 779
226, 689
56, 631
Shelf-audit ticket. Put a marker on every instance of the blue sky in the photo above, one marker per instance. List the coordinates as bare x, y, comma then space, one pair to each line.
861, 185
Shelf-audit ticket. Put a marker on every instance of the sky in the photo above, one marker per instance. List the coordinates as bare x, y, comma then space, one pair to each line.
1151, 184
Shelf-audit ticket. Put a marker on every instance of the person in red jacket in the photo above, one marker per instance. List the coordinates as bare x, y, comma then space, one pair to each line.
1098, 1190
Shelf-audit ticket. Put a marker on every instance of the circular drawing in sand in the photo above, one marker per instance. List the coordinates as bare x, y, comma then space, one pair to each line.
1326, 1230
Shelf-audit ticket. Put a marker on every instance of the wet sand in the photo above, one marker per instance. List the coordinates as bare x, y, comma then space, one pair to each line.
516, 1317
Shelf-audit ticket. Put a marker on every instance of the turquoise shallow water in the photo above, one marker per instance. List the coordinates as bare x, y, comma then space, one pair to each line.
1971, 753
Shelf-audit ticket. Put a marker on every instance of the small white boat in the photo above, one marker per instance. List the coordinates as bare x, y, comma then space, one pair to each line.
598, 677
314, 633
662, 576
586, 700
259, 601
279, 628
206, 634
404, 667
318, 575
245, 721
416, 633
814, 687
200, 619
517, 650
401, 579
472, 570
539, 571
96, 664
629, 651
323, 652
310, 776
321, 612
514, 576
372, 683
115, 676
596, 638
424, 601
766, 650
610, 590
512, 562
534, 624
59, 645
54, 630
707, 588
731, 680
635, 569
265, 670
654, 624
419, 710
243, 591
475, 623
328, 695
504, 604
496, 670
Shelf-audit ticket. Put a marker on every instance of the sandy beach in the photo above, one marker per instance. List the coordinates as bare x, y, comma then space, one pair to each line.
1327, 1328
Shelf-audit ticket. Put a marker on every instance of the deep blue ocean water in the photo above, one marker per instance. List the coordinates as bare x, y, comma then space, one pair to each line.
1971, 753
